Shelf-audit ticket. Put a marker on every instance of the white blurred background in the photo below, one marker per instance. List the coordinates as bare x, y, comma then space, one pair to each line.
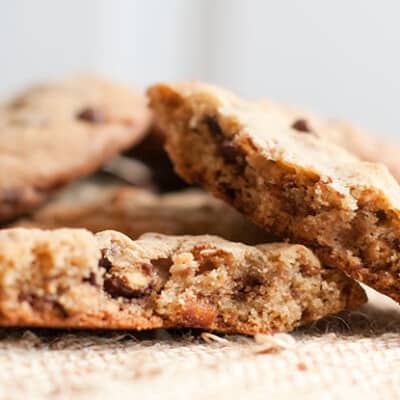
340, 58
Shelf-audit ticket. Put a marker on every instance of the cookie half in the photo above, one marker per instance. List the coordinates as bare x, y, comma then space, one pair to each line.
58, 131
72, 278
291, 181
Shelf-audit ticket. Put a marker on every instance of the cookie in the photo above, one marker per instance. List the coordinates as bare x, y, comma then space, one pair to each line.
100, 206
289, 180
72, 278
365, 145
55, 132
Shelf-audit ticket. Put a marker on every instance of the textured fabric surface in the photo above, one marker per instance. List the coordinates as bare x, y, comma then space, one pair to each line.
352, 355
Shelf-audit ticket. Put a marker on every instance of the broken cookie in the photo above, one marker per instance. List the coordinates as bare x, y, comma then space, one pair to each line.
73, 278
287, 178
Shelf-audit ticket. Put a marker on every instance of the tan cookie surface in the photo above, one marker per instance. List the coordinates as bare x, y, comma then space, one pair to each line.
291, 181
73, 278
58, 131
134, 211
365, 145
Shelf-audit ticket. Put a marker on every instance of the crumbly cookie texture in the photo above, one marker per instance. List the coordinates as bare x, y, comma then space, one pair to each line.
55, 132
365, 145
73, 278
285, 178
100, 206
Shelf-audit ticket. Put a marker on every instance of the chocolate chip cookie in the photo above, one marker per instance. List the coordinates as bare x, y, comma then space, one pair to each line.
58, 131
99, 206
286, 178
73, 278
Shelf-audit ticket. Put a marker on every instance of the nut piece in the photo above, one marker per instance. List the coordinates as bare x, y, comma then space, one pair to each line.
183, 264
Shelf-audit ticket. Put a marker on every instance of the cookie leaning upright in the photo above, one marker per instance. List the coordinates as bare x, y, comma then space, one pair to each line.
58, 131
292, 182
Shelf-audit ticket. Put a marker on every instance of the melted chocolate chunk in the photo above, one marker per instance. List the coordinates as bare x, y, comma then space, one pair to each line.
229, 151
91, 115
381, 215
116, 287
227, 191
213, 126
232, 155
104, 261
91, 279
45, 303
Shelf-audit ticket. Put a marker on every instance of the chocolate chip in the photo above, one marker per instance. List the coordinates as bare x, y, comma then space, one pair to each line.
396, 244
206, 266
232, 155
213, 126
301, 125
227, 191
91, 279
228, 151
45, 303
104, 261
91, 115
116, 287
11, 196
381, 215
250, 282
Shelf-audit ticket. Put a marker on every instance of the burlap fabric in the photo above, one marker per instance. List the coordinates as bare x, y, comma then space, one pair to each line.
350, 356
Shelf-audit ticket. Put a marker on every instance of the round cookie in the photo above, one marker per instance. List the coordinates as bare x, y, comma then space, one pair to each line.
53, 133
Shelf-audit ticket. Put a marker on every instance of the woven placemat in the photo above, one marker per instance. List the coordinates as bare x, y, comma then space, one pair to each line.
355, 354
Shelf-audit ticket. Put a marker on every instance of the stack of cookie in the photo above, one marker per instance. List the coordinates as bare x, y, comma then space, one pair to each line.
300, 219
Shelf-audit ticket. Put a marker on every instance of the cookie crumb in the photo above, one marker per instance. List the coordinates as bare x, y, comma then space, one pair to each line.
211, 338
301, 366
30, 339
273, 343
